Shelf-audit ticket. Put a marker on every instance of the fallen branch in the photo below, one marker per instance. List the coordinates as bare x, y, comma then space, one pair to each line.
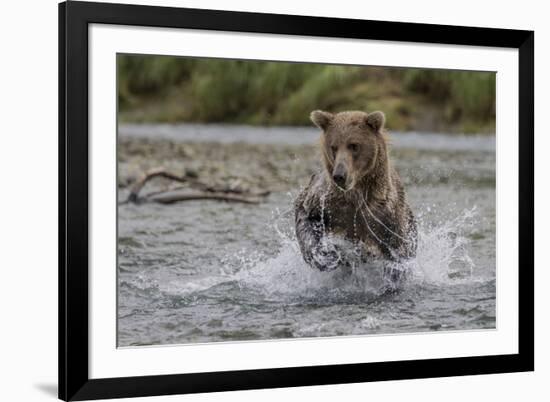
170, 196
151, 174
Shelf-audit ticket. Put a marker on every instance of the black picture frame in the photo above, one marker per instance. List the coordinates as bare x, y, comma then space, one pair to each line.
74, 18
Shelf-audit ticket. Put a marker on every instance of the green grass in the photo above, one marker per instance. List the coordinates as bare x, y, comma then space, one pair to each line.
173, 89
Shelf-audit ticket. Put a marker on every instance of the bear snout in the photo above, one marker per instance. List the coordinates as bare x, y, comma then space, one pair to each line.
339, 175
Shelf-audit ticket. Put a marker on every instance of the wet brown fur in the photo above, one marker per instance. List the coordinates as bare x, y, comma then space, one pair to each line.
356, 144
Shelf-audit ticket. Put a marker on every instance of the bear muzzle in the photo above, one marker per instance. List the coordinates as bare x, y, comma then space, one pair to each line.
339, 175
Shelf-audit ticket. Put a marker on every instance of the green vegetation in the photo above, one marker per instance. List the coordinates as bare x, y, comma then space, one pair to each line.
176, 89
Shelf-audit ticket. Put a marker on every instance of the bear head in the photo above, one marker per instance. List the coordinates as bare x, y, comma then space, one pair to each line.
353, 145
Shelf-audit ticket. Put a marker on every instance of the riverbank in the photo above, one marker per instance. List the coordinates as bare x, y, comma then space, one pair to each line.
164, 89
256, 167
284, 158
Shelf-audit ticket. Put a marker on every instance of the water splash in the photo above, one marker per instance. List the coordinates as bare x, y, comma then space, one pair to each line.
442, 258
442, 254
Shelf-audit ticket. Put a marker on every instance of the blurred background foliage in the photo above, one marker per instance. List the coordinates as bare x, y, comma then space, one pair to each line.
178, 89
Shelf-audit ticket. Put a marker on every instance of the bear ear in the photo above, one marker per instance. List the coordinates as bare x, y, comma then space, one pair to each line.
376, 121
321, 119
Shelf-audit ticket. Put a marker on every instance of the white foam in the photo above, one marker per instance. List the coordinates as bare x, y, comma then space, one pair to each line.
441, 256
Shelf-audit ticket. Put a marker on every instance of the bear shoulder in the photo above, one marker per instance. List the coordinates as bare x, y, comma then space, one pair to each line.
309, 199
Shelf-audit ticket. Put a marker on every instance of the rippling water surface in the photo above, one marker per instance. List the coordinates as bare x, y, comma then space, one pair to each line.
204, 271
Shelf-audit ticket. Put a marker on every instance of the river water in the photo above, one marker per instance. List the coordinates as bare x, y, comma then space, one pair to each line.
207, 271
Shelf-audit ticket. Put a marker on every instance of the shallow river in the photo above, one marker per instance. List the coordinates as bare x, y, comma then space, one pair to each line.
204, 271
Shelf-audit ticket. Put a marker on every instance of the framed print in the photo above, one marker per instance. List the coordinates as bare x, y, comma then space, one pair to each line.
259, 201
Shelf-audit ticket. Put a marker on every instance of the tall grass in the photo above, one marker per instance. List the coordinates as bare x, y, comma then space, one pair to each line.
464, 93
141, 75
163, 88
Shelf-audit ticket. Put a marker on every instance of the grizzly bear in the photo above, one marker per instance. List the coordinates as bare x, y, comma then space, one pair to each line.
358, 195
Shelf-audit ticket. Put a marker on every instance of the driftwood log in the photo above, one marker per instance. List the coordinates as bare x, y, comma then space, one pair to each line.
200, 190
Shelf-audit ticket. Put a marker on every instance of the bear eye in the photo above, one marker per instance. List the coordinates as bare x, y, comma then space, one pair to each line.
353, 147
334, 149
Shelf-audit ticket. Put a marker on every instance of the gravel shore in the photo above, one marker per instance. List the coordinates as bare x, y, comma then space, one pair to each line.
248, 167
